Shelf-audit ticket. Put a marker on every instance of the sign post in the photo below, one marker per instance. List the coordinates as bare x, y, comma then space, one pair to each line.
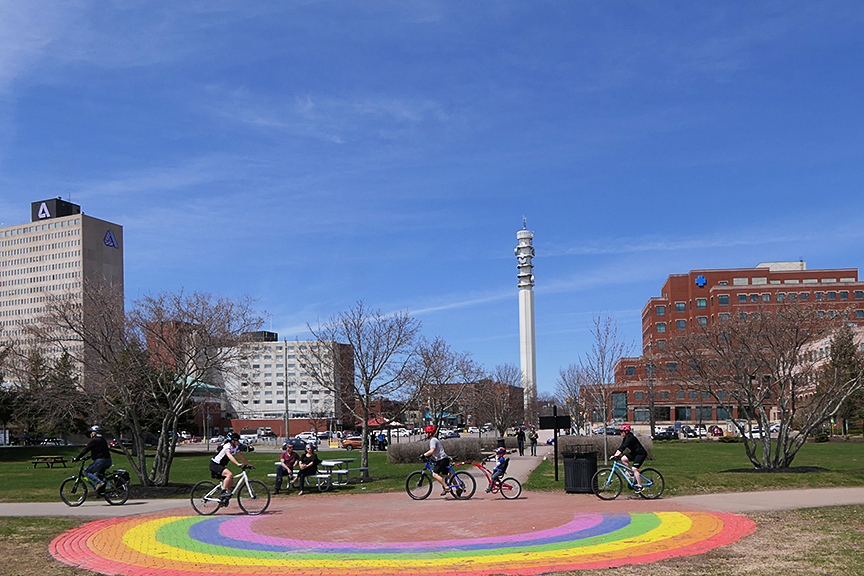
555, 423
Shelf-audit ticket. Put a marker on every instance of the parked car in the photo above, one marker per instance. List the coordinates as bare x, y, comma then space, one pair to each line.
308, 437
451, 434
715, 430
665, 434
473, 430
116, 443
688, 432
352, 442
298, 444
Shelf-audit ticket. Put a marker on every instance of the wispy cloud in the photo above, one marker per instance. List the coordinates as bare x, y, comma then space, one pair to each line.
327, 118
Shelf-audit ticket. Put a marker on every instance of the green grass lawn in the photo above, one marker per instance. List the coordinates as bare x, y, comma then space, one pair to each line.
697, 468
23, 483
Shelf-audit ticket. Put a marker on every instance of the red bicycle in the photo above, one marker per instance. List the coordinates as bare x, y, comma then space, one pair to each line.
509, 487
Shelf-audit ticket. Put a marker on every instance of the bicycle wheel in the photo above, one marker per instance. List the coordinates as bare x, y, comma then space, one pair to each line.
72, 492
116, 490
655, 485
418, 485
205, 497
510, 488
253, 497
465, 485
606, 484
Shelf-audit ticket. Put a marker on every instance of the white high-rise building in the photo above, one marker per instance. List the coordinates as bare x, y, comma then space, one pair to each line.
52, 256
271, 383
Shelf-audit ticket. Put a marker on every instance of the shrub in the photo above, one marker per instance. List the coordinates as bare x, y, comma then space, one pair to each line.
730, 439
595, 444
490, 444
459, 449
821, 437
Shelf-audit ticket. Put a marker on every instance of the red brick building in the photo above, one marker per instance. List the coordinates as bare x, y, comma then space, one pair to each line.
703, 297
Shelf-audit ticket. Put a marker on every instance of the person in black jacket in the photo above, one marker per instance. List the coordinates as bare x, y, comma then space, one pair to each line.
98, 449
637, 452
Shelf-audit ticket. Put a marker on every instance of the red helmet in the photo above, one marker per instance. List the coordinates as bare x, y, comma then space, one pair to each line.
430, 429
626, 428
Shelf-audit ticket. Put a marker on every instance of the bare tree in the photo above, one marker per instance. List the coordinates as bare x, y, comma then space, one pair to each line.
501, 400
381, 348
441, 379
763, 360
569, 391
141, 369
598, 367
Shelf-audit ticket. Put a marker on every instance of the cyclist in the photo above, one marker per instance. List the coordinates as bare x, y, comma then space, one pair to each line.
219, 463
637, 452
437, 454
501, 465
98, 449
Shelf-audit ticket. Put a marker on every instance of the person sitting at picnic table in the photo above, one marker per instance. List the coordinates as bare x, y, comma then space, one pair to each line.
285, 467
308, 466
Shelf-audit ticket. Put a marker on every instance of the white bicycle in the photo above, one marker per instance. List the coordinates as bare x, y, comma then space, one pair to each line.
253, 496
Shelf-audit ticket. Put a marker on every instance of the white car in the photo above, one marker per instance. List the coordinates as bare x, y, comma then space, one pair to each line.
473, 430
308, 437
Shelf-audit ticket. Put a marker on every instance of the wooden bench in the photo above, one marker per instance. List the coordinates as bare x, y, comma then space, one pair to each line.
49, 461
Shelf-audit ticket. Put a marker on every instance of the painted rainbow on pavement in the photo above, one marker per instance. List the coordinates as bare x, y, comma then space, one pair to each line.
189, 546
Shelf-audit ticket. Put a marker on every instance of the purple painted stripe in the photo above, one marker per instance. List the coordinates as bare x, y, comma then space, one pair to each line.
239, 529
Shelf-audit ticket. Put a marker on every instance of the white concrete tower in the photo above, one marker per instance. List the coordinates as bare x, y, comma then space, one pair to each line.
524, 255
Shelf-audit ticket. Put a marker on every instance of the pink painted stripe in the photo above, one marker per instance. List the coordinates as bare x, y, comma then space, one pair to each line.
240, 529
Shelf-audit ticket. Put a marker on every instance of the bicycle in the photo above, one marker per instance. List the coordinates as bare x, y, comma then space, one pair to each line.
608, 482
253, 496
509, 487
460, 484
73, 490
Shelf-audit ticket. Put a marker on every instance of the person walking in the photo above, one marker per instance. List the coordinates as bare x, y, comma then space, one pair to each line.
532, 438
520, 440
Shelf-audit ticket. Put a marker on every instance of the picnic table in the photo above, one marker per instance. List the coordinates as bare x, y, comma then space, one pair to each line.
339, 470
49, 461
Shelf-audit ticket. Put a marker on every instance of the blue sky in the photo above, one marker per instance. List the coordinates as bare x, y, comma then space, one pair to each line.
312, 154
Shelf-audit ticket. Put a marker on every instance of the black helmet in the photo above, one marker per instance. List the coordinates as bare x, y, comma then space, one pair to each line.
234, 436
96, 429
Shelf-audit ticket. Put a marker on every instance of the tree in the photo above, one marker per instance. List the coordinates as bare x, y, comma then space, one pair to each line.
501, 400
379, 349
844, 363
764, 360
441, 379
141, 369
569, 392
598, 368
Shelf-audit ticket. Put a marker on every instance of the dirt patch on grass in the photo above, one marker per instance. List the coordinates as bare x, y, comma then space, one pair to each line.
789, 470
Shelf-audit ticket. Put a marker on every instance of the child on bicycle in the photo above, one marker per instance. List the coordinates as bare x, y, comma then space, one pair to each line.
219, 463
637, 452
500, 467
437, 454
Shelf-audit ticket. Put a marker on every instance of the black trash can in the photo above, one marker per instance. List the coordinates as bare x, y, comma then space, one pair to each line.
502, 443
580, 465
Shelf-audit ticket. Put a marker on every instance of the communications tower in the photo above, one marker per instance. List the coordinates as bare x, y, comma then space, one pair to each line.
524, 255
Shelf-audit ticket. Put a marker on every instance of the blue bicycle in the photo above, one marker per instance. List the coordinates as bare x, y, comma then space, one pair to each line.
608, 482
460, 484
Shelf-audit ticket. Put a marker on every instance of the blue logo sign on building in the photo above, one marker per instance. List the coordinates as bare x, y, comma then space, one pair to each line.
109, 240
701, 281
